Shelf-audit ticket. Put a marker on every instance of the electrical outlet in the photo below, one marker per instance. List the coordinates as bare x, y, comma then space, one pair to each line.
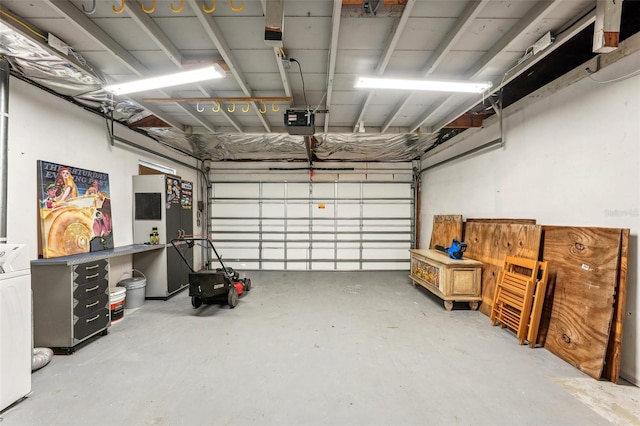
544, 42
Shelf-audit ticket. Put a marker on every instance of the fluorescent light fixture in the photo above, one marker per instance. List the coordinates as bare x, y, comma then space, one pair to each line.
438, 86
193, 76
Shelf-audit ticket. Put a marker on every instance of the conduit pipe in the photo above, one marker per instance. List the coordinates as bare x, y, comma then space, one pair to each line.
464, 154
4, 145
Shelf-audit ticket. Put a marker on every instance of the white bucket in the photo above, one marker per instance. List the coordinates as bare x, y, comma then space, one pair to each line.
135, 290
116, 302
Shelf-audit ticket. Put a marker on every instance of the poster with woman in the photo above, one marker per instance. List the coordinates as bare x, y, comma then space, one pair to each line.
75, 210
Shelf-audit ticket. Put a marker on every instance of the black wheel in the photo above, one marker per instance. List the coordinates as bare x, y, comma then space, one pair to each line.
247, 284
232, 297
196, 302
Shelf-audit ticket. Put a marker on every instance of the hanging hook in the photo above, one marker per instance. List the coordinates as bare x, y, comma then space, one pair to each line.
177, 9
263, 110
120, 9
247, 107
273, 107
210, 10
151, 9
233, 108
236, 9
198, 107
214, 109
92, 10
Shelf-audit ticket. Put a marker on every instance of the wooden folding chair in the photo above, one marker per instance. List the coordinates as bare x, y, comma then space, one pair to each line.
513, 295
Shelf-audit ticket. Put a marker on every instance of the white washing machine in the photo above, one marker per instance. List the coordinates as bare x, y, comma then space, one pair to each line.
16, 351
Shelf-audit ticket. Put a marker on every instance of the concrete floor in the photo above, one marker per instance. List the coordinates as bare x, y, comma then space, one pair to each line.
316, 349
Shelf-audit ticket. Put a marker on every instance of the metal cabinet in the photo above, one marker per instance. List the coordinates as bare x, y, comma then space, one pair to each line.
166, 203
70, 303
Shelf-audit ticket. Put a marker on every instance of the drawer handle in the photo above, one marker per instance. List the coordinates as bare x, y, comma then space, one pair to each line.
94, 318
92, 276
92, 288
86, 268
93, 304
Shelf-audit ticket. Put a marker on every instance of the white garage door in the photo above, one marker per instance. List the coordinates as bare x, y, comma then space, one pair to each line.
313, 226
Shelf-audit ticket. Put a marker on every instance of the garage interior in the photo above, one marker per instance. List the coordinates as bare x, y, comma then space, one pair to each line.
330, 198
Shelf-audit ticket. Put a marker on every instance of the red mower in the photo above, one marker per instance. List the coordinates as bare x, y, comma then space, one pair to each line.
222, 285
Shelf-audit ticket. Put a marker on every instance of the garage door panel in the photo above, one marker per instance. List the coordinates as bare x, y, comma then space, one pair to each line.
348, 190
348, 253
315, 226
386, 190
297, 211
272, 210
322, 266
374, 210
273, 190
237, 190
323, 190
328, 211
236, 210
273, 266
297, 190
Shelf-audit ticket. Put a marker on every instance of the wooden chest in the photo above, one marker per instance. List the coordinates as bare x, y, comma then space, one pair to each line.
451, 280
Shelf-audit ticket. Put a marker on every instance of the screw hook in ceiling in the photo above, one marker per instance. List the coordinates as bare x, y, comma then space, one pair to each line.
216, 108
177, 9
274, 108
211, 9
92, 10
198, 107
119, 9
263, 109
236, 9
233, 108
246, 109
151, 9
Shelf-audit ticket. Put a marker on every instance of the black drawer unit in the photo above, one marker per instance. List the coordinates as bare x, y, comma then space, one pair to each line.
85, 307
70, 303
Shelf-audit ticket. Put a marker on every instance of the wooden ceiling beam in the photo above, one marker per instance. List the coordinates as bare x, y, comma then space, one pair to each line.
468, 121
237, 99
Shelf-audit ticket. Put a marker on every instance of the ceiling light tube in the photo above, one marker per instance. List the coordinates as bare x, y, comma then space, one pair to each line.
438, 86
177, 79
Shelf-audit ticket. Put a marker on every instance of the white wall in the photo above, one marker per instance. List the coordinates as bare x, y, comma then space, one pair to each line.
45, 127
571, 157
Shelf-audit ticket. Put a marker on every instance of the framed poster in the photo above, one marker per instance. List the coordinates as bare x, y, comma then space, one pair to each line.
75, 210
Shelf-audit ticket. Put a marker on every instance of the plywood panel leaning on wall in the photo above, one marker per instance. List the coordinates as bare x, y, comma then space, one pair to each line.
584, 266
490, 242
445, 229
612, 361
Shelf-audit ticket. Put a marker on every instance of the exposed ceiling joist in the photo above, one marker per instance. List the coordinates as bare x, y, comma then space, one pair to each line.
462, 23
278, 53
79, 19
512, 74
523, 26
154, 32
386, 57
218, 40
333, 52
